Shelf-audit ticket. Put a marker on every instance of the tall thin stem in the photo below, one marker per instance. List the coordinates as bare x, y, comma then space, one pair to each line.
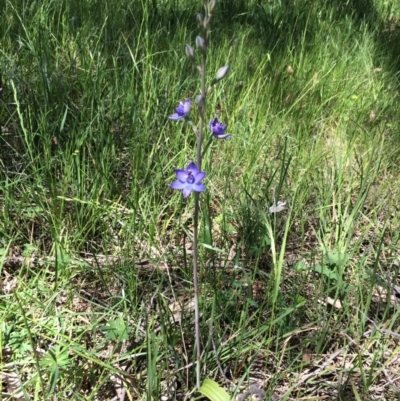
202, 108
196, 288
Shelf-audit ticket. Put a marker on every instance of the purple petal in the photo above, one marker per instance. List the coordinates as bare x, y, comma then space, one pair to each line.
178, 185
198, 177
199, 187
182, 175
212, 123
186, 192
221, 127
175, 117
193, 168
225, 136
187, 106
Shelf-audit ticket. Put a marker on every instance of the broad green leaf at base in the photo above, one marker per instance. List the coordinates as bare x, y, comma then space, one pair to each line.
213, 391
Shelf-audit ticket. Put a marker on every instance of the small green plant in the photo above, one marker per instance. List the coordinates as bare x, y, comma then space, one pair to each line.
56, 362
332, 270
115, 330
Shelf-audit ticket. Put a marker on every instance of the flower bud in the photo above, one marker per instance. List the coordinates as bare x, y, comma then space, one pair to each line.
200, 18
206, 22
372, 116
222, 72
211, 6
201, 43
200, 101
189, 52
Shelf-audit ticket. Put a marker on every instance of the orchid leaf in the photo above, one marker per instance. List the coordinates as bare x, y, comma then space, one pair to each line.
213, 391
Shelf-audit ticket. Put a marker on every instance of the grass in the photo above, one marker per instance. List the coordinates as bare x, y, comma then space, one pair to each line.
96, 249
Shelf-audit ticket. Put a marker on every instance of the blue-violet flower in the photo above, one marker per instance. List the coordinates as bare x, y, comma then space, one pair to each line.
182, 111
189, 180
218, 129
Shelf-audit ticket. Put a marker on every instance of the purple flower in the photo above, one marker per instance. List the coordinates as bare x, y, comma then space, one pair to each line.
182, 111
189, 180
218, 129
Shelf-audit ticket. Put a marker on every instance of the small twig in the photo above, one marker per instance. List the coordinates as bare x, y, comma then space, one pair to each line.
382, 331
390, 381
315, 373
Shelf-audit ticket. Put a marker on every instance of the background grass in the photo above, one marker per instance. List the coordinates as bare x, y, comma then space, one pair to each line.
96, 266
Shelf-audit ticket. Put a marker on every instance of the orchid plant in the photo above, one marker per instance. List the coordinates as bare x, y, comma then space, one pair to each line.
191, 178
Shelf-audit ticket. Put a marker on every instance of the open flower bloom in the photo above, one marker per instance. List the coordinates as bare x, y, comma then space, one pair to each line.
189, 180
218, 129
182, 111
278, 207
